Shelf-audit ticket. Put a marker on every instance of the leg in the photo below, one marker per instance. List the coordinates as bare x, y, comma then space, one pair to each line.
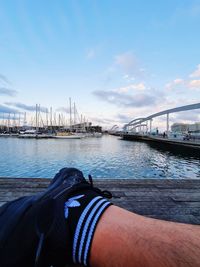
126, 239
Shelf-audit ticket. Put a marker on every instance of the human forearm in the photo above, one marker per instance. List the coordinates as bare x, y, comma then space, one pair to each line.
123, 238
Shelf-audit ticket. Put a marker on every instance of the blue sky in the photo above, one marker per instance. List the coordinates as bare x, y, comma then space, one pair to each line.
116, 59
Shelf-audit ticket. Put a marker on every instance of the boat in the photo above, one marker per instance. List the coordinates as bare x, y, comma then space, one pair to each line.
34, 134
96, 134
4, 135
68, 137
64, 135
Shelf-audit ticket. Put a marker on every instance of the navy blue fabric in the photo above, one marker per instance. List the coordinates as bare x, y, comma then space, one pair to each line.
10, 215
21, 219
35, 231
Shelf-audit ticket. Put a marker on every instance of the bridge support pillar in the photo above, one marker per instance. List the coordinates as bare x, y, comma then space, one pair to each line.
151, 125
167, 132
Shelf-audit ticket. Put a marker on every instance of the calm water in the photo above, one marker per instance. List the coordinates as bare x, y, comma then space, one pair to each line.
106, 157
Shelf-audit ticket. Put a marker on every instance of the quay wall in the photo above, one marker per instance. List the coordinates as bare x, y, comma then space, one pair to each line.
163, 141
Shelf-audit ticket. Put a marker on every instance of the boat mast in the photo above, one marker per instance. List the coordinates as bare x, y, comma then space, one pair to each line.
36, 118
47, 118
19, 120
9, 123
59, 119
24, 119
70, 114
74, 114
51, 118
39, 124
13, 121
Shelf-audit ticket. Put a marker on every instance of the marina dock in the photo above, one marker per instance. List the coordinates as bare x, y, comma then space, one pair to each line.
168, 199
191, 144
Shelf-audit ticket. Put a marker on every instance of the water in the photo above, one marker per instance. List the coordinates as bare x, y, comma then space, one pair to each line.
106, 157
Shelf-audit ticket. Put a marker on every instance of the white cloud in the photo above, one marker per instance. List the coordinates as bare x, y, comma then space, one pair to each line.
129, 64
128, 78
176, 82
139, 86
194, 84
132, 87
191, 84
126, 60
168, 85
101, 120
196, 73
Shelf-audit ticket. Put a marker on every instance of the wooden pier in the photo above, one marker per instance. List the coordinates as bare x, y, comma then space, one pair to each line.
174, 200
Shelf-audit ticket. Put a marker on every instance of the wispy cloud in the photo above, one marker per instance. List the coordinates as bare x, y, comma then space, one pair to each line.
183, 84
119, 119
10, 115
63, 109
126, 66
25, 107
190, 116
4, 79
7, 91
127, 62
7, 110
128, 78
175, 83
4, 90
122, 118
196, 73
178, 81
101, 120
194, 84
127, 100
131, 88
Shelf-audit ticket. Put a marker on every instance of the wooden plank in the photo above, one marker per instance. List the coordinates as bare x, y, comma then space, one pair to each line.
167, 199
176, 200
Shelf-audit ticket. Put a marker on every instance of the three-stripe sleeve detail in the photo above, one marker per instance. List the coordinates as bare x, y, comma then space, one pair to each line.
85, 229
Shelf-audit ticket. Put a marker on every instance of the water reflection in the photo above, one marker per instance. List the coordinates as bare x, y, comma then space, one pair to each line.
106, 157
179, 152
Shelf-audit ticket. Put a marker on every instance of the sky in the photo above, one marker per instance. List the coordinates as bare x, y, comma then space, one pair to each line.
117, 60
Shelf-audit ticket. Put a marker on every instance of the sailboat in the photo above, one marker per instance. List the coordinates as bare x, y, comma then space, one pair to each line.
67, 136
70, 134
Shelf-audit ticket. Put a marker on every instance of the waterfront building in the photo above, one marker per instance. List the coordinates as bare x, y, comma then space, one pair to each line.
194, 128
186, 127
180, 127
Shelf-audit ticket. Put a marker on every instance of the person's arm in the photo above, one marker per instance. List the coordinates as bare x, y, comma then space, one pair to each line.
125, 239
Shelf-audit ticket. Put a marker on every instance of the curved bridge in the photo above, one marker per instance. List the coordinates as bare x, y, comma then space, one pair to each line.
137, 122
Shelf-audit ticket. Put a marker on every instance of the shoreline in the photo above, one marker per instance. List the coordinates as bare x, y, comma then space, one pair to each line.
163, 141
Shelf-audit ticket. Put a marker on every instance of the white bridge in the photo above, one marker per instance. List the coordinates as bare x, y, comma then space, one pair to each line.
142, 122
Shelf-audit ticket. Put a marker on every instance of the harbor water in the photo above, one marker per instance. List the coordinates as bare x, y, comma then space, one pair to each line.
106, 157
